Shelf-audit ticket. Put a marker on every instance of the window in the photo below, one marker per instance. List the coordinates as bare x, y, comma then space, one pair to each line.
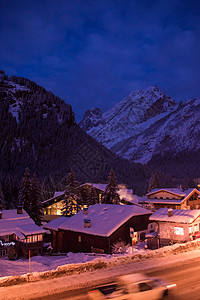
40, 237
79, 238
178, 231
190, 229
29, 239
161, 197
34, 238
196, 227
144, 287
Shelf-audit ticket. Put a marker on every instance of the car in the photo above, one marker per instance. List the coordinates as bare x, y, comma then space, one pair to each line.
134, 286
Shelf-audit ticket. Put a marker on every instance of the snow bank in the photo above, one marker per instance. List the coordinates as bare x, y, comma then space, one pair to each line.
99, 263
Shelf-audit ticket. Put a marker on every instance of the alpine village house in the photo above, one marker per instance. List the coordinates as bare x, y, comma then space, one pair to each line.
19, 234
175, 198
98, 228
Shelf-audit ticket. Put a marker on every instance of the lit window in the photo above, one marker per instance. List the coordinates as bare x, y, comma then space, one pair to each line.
196, 227
190, 229
34, 238
29, 239
40, 237
79, 238
178, 231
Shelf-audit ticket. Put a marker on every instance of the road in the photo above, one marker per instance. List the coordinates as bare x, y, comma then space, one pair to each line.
182, 269
185, 275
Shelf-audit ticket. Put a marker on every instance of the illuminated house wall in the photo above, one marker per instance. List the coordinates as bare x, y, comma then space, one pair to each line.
177, 225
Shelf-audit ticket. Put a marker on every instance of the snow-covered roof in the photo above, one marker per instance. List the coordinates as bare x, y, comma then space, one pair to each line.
163, 201
176, 191
99, 186
19, 224
123, 192
179, 215
10, 232
132, 198
10, 214
54, 224
105, 219
56, 194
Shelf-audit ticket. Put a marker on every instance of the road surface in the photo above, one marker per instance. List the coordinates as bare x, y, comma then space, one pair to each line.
182, 269
185, 275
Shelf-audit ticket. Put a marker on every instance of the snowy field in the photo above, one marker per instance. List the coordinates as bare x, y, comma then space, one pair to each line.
46, 262
40, 263
74, 261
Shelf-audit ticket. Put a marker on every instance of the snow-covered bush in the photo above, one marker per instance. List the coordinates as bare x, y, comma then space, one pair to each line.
119, 247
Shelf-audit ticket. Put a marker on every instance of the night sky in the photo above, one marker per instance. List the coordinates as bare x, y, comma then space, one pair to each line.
96, 52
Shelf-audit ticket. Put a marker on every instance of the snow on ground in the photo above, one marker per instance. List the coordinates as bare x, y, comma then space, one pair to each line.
35, 290
74, 261
46, 262
40, 263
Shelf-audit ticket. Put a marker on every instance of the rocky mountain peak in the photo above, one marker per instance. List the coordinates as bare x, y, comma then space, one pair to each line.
134, 113
92, 118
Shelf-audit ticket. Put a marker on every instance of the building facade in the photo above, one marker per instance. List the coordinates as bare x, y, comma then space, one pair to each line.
175, 198
99, 229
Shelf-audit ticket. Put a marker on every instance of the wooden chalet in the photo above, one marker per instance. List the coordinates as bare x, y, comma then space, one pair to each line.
53, 207
97, 228
19, 234
175, 198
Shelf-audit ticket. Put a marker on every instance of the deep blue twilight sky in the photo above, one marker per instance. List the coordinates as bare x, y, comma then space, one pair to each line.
95, 52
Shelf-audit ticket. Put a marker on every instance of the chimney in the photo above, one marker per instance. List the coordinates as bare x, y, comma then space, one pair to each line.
87, 223
85, 211
19, 210
0, 214
170, 212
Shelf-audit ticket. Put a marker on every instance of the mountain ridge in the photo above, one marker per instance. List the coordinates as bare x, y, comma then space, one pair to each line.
133, 113
162, 134
38, 130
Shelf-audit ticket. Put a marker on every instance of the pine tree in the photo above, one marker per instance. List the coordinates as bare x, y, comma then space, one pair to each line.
154, 182
36, 213
25, 193
73, 200
92, 196
2, 200
111, 196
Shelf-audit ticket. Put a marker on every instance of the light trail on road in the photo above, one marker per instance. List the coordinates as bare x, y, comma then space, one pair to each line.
186, 275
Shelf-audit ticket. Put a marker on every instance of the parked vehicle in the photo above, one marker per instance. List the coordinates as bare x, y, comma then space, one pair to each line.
134, 286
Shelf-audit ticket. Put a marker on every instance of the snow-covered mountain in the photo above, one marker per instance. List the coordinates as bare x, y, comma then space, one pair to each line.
38, 131
148, 123
174, 132
124, 127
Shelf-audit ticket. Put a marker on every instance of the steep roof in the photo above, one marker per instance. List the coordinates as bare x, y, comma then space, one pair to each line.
105, 219
176, 191
123, 192
54, 224
179, 215
19, 224
56, 197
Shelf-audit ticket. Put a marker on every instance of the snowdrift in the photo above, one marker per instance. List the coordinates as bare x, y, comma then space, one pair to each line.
99, 263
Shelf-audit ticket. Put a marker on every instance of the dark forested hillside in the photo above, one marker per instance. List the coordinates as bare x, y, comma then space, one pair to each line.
38, 131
